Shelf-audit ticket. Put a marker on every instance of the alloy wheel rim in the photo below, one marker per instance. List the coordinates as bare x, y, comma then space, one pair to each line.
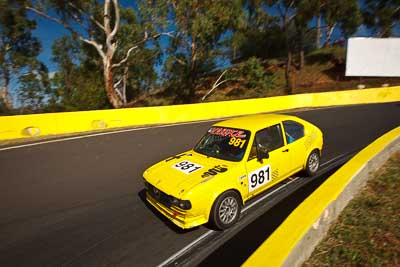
228, 210
313, 162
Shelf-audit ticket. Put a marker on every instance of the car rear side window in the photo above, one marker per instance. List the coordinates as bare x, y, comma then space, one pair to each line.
269, 138
293, 131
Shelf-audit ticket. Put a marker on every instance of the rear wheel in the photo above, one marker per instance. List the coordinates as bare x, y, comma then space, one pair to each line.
226, 210
312, 165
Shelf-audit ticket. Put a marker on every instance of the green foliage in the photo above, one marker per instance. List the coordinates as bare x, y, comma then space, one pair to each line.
84, 93
259, 34
141, 73
345, 13
335, 54
254, 75
18, 48
382, 16
265, 43
202, 36
78, 83
34, 88
196, 49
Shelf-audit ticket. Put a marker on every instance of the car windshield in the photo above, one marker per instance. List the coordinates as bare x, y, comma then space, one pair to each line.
224, 143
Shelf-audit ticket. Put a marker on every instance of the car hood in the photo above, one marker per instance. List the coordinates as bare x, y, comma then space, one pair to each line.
176, 182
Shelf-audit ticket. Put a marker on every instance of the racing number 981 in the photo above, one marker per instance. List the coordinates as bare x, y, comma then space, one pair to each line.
259, 177
187, 167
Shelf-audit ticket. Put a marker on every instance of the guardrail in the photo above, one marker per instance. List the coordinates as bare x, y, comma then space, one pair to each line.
24, 126
295, 239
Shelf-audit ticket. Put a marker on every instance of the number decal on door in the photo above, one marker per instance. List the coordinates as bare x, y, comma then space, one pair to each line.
259, 177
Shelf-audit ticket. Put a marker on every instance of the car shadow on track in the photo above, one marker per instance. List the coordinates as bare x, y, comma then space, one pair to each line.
166, 221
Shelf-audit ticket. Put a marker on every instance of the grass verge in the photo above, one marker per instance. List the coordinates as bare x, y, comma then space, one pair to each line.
367, 232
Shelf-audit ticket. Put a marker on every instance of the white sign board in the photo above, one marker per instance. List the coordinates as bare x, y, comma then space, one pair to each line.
373, 57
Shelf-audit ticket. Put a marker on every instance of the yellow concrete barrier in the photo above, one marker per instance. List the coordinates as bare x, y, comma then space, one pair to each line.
20, 126
294, 240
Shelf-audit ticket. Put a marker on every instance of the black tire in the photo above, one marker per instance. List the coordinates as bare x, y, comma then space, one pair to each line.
226, 210
312, 164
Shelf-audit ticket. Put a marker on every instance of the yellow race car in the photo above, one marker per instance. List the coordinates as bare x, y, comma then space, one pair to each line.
233, 162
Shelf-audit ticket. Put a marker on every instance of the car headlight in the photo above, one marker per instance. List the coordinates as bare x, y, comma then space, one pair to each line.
182, 204
146, 184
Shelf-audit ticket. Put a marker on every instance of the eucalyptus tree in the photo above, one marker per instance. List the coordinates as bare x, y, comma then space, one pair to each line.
196, 49
287, 12
114, 32
18, 48
382, 16
344, 15
258, 35
306, 11
34, 88
77, 83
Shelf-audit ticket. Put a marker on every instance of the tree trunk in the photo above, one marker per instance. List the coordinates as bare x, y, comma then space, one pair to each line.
318, 39
301, 44
4, 93
193, 72
289, 55
329, 32
115, 101
288, 78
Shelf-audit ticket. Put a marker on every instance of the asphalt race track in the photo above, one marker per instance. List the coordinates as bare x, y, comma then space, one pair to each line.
80, 202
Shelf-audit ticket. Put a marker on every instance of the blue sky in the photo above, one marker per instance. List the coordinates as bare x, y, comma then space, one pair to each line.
48, 31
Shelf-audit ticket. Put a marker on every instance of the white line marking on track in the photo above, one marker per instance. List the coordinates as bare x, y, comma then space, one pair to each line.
331, 160
105, 133
192, 244
269, 194
183, 250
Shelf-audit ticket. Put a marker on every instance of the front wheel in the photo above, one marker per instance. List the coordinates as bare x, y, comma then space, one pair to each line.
312, 165
226, 210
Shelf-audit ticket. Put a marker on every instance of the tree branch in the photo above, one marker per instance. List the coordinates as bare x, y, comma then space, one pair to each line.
79, 21
117, 20
385, 30
43, 14
117, 83
92, 18
96, 45
135, 46
215, 85
126, 57
106, 19
180, 61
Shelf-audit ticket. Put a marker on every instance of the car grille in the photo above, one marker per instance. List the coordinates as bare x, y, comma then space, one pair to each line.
159, 195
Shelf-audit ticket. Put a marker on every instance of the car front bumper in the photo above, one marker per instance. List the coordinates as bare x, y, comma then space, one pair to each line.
179, 217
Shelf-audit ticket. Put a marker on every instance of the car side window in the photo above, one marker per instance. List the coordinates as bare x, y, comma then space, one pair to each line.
293, 131
269, 138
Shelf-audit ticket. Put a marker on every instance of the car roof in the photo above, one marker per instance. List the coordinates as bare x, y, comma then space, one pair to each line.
255, 122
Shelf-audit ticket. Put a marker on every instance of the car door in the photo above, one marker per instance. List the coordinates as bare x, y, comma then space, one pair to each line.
263, 173
294, 137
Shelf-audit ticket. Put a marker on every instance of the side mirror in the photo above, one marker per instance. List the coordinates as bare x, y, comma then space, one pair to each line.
262, 152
